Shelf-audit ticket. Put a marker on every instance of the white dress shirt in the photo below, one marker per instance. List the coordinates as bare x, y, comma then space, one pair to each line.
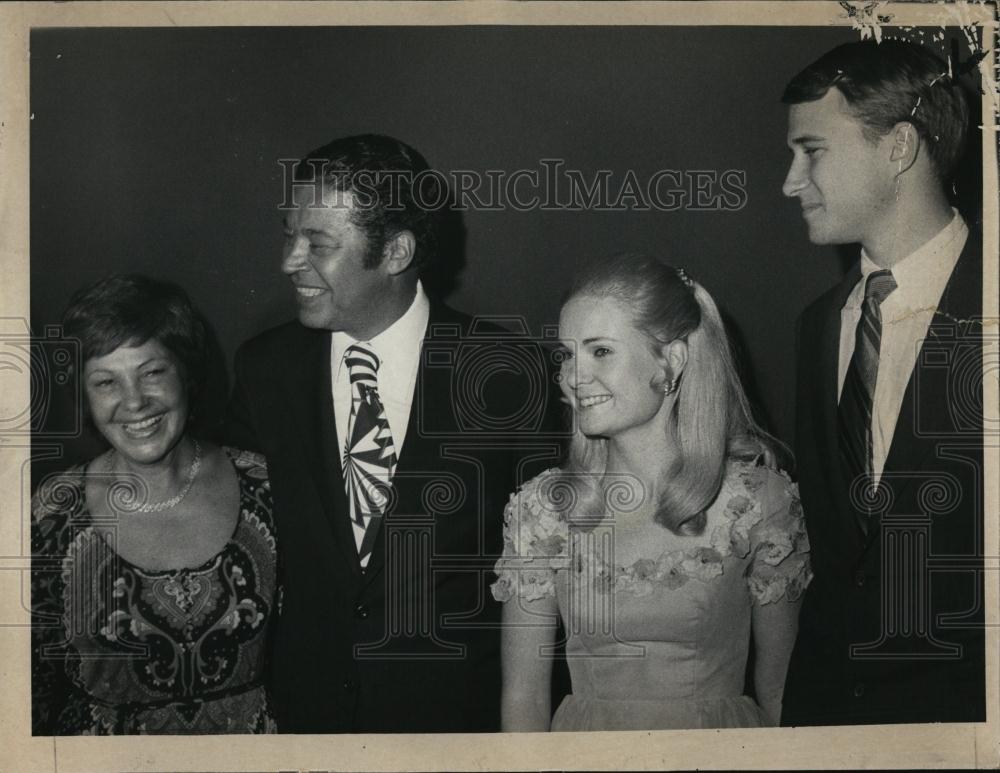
906, 315
398, 350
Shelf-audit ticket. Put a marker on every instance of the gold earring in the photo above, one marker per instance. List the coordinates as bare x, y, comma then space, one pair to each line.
671, 386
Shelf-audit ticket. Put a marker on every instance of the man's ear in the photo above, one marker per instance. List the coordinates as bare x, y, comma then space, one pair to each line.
905, 146
398, 252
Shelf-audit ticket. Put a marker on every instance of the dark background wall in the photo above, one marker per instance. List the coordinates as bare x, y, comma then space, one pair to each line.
157, 150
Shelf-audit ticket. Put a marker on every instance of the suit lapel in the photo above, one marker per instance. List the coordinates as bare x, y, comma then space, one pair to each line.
829, 380
312, 411
924, 415
421, 451
408, 463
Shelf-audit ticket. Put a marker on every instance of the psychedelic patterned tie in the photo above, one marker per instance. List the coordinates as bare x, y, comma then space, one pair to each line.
369, 455
854, 414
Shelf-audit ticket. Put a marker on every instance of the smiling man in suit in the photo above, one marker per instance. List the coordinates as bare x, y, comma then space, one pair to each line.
388, 482
889, 397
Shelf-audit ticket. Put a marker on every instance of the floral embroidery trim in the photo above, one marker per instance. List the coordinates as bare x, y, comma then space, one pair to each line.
536, 546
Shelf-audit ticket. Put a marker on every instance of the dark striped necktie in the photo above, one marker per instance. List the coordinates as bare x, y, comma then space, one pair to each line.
369, 455
854, 415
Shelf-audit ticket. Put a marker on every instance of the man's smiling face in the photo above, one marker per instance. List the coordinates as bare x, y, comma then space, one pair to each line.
325, 255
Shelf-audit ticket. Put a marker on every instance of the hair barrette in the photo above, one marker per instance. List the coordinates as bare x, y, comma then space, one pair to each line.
682, 275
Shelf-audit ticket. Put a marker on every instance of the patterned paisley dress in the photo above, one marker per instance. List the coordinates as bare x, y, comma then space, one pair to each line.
119, 649
662, 642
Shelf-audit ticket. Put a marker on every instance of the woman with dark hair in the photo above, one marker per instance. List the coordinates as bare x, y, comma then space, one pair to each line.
153, 577
667, 540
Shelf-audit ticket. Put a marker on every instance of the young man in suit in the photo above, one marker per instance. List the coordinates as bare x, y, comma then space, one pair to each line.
380, 413
889, 397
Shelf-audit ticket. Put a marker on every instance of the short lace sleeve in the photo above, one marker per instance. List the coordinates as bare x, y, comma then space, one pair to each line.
778, 541
535, 534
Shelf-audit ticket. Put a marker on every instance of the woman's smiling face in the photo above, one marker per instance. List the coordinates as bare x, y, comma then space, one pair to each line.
138, 400
610, 373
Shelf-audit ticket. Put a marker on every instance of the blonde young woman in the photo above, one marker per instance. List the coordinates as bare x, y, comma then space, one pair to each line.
666, 541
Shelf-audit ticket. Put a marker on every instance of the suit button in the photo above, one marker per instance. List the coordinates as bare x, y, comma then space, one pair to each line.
859, 579
348, 685
361, 611
859, 690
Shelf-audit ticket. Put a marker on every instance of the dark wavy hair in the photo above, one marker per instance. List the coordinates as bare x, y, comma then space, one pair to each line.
891, 82
131, 309
393, 188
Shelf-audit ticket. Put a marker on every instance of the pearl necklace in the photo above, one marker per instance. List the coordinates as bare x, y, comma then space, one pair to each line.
166, 504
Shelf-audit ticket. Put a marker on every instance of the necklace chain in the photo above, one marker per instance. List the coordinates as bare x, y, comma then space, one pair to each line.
166, 504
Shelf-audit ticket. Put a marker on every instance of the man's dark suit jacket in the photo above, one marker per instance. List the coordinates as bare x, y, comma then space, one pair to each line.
411, 644
891, 628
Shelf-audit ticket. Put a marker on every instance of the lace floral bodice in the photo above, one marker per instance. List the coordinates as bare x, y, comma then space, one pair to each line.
756, 517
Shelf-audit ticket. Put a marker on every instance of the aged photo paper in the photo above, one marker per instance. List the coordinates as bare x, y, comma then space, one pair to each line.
739, 42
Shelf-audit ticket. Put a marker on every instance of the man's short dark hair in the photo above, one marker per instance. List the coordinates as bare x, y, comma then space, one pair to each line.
392, 186
889, 82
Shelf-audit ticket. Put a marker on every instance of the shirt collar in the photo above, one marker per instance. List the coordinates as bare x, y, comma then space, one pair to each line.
921, 275
396, 345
